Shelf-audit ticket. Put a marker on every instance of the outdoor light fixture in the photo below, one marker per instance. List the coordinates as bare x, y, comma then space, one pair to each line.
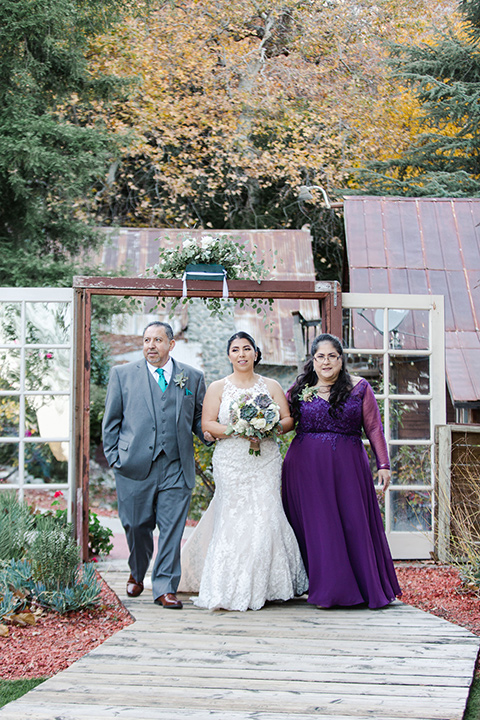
304, 194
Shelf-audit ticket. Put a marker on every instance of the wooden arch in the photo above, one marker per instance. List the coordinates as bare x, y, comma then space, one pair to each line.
327, 293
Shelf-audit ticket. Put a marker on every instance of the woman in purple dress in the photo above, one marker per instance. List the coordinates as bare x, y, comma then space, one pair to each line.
328, 491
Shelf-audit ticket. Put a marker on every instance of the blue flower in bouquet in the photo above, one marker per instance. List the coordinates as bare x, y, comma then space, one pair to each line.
270, 415
263, 401
248, 411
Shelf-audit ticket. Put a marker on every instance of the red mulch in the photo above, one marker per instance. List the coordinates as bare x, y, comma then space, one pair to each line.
56, 641
439, 590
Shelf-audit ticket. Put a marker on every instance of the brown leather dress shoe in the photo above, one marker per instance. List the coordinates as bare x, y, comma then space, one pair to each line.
169, 600
134, 588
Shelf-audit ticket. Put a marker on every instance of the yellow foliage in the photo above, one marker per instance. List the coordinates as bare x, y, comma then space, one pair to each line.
232, 96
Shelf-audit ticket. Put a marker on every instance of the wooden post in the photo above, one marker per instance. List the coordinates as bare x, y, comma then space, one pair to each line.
443, 440
82, 416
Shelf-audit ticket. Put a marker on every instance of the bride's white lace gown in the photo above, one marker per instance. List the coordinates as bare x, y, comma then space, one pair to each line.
243, 552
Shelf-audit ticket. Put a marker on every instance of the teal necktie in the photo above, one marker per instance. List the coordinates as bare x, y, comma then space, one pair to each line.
161, 379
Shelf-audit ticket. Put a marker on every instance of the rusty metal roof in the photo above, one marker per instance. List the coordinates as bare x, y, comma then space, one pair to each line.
424, 246
136, 249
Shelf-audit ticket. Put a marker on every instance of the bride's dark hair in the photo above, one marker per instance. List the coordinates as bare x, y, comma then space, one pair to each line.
241, 335
340, 389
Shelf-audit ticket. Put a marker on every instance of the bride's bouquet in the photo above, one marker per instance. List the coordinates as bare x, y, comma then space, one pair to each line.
253, 417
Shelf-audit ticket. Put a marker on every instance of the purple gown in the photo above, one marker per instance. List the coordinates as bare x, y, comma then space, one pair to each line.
330, 500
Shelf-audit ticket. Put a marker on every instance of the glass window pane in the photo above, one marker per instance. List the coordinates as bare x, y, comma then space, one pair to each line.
47, 369
47, 415
9, 462
46, 462
410, 511
381, 407
409, 420
408, 329
409, 375
411, 464
9, 416
368, 366
364, 331
9, 369
48, 322
44, 498
10, 323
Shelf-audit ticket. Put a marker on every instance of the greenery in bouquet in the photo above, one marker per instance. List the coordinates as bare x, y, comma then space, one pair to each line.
223, 250
253, 417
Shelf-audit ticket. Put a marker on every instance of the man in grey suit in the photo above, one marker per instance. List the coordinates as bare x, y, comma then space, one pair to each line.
152, 408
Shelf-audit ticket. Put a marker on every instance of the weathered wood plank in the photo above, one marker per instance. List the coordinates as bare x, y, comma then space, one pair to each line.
203, 679
367, 664
329, 646
249, 700
125, 667
130, 712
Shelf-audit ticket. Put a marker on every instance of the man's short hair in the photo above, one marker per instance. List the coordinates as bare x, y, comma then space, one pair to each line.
168, 328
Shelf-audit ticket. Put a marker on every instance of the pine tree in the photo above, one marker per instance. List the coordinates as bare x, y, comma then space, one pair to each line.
445, 78
48, 160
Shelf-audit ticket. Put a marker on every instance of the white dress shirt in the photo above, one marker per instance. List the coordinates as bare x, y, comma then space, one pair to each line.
167, 370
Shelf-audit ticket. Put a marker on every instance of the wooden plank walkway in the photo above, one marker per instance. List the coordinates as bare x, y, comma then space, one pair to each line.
285, 662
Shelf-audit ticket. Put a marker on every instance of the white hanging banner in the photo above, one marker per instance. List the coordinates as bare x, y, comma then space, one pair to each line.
205, 272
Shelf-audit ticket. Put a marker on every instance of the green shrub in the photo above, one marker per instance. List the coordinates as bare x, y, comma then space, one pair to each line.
18, 589
16, 524
205, 486
17, 576
40, 561
98, 536
53, 553
9, 603
16, 584
83, 592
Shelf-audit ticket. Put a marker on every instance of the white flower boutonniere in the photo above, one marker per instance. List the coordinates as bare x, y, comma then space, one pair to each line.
180, 380
308, 393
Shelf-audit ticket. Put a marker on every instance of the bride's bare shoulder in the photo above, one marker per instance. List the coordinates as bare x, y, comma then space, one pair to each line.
216, 387
271, 383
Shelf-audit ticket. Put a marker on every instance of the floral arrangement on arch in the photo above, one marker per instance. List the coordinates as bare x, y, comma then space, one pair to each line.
223, 250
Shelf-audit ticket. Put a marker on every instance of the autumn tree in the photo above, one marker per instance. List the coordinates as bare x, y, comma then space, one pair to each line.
239, 104
49, 158
444, 160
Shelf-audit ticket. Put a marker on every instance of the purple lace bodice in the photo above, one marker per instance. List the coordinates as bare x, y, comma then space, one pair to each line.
359, 411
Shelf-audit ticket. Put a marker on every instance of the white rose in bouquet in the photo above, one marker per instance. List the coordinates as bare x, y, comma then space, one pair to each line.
258, 423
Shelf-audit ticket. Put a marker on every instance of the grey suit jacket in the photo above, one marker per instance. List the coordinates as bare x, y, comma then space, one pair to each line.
129, 422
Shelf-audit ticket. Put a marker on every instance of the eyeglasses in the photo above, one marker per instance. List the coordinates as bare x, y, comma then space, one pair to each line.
321, 358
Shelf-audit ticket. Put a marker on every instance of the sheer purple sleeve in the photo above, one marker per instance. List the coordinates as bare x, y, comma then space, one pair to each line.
372, 422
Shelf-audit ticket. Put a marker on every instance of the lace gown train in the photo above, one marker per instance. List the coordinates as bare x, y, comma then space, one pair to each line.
252, 556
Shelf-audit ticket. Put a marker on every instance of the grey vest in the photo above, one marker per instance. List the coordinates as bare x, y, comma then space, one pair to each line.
165, 419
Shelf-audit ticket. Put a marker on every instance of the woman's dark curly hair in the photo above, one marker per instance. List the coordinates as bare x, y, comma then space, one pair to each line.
340, 389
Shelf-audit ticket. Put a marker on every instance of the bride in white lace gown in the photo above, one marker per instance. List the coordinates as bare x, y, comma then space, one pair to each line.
243, 552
